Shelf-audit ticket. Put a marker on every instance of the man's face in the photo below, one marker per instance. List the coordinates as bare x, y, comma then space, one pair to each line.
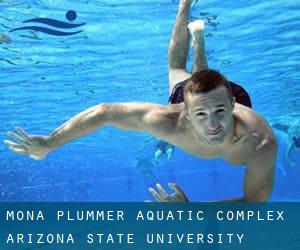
210, 114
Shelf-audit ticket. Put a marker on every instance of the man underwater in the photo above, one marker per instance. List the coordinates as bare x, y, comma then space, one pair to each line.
292, 130
208, 117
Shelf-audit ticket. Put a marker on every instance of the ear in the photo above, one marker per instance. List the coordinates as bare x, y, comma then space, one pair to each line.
188, 116
233, 101
186, 113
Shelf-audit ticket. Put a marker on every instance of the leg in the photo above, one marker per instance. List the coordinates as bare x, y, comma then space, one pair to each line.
179, 46
196, 29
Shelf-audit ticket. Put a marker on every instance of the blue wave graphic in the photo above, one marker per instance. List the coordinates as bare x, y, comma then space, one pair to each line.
54, 23
70, 15
47, 30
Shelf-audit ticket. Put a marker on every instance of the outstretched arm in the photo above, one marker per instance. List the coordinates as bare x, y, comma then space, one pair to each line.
258, 180
146, 117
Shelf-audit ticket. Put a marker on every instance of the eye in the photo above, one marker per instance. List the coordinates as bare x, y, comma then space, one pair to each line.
201, 114
220, 111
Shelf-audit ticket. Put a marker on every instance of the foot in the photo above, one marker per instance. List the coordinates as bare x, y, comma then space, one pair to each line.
196, 29
187, 3
196, 26
192, 2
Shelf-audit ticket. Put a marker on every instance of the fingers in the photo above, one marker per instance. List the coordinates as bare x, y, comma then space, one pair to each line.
11, 144
177, 189
20, 149
35, 157
16, 137
155, 194
23, 133
161, 195
162, 192
22, 137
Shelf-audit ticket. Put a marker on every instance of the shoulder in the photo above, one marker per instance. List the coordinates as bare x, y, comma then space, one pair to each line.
166, 116
255, 128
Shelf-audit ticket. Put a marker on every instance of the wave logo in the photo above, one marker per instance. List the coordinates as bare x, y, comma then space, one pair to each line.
70, 16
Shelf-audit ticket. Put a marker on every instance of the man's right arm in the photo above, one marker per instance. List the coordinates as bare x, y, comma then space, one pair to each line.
146, 117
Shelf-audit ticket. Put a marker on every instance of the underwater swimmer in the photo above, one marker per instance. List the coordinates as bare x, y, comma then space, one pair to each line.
161, 149
293, 132
208, 124
177, 69
294, 145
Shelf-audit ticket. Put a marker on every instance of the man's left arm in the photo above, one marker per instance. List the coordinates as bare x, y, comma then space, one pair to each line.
259, 176
258, 180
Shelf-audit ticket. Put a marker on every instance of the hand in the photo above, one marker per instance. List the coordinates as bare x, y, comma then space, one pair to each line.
163, 196
33, 146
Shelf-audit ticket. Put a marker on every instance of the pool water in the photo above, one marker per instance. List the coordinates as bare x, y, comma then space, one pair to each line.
120, 56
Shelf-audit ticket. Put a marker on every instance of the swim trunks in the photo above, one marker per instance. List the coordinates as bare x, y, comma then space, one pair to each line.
240, 94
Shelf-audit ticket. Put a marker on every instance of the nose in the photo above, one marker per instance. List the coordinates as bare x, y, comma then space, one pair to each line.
213, 123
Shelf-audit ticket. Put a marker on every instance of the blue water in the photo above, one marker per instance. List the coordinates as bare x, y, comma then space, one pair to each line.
121, 56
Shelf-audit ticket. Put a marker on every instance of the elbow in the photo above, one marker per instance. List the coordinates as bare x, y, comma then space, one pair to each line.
262, 193
263, 198
256, 199
104, 107
103, 111
94, 117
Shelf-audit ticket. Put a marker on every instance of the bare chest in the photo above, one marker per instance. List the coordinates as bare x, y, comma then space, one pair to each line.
238, 153
235, 153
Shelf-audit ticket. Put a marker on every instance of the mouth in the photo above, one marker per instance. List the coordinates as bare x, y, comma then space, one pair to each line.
215, 131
